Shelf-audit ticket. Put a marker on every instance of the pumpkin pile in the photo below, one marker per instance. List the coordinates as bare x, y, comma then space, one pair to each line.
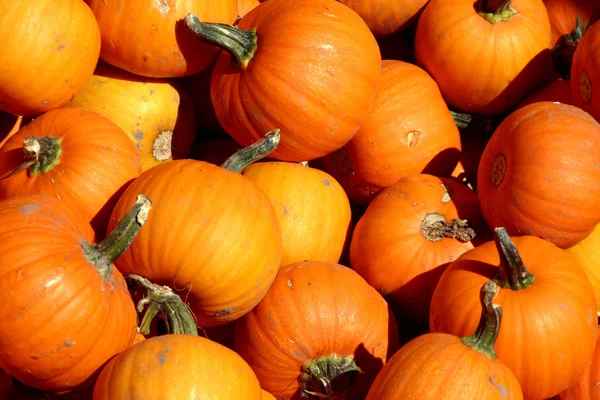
289, 199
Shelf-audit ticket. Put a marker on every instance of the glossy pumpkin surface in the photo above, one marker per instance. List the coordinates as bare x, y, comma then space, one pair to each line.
585, 72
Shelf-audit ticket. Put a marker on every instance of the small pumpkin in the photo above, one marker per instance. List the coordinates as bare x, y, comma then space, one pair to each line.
311, 207
148, 37
49, 50
66, 310
418, 370
408, 130
408, 236
320, 331
534, 151
156, 113
177, 366
317, 91
585, 72
587, 254
549, 327
75, 155
556, 91
485, 55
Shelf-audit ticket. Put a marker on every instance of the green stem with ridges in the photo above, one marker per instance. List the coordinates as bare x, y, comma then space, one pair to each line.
485, 335
44, 152
243, 158
496, 11
328, 376
513, 272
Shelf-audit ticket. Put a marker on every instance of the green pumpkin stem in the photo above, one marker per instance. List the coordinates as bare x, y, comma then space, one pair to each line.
513, 272
495, 11
564, 49
328, 376
103, 254
242, 159
485, 335
239, 43
161, 299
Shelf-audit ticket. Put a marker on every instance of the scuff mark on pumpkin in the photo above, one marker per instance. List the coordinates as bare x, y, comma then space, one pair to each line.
28, 209
504, 392
326, 182
163, 6
69, 343
414, 138
138, 135
289, 283
162, 357
224, 313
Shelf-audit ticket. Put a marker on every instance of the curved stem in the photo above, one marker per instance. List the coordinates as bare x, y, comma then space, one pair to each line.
242, 159
513, 272
239, 43
485, 335
103, 254
328, 376
161, 299
495, 11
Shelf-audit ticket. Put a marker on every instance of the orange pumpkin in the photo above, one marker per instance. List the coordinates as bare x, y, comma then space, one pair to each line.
66, 310
173, 367
408, 130
213, 237
585, 72
485, 55
549, 327
75, 155
320, 330
156, 113
420, 368
267, 396
49, 50
317, 91
534, 151
148, 37
311, 206
587, 254
408, 236
556, 91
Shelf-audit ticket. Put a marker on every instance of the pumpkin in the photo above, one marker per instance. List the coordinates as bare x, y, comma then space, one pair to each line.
267, 396
311, 206
549, 327
156, 113
408, 236
320, 330
419, 370
387, 17
534, 151
587, 254
587, 387
485, 55
75, 155
556, 91
49, 50
317, 91
148, 38
177, 366
585, 72
66, 310
213, 235
408, 130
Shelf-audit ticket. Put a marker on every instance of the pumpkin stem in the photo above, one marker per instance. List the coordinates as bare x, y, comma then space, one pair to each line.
434, 227
513, 272
563, 51
161, 299
239, 43
328, 376
103, 254
485, 335
466, 121
40, 155
495, 11
161, 147
242, 159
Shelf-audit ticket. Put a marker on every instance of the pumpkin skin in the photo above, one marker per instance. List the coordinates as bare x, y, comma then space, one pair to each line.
311, 206
536, 149
548, 329
43, 71
587, 387
498, 64
173, 367
56, 351
147, 37
585, 72
387, 17
156, 113
267, 396
98, 160
408, 130
587, 254
220, 241
393, 250
317, 91
316, 309
245, 6
563, 15
556, 91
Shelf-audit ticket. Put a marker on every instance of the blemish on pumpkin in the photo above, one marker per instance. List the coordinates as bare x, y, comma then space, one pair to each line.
585, 87
224, 313
163, 6
414, 138
446, 198
498, 170
28, 209
504, 392
162, 357
326, 182
44, 102
138, 135
161, 148
69, 343
289, 283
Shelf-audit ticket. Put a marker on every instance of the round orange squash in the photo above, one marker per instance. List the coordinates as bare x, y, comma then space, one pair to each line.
49, 50
485, 55
587, 254
585, 72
